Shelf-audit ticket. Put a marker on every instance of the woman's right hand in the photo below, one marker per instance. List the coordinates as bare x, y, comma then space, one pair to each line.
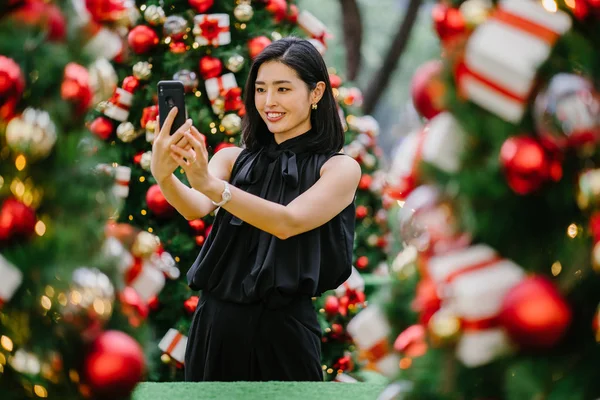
163, 165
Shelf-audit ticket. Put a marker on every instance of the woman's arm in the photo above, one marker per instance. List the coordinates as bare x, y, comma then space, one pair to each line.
333, 192
190, 203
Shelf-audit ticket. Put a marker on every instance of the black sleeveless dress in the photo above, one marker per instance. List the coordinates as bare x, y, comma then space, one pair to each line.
255, 320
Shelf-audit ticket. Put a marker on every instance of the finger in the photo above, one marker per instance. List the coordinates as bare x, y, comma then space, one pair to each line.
202, 139
195, 140
187, 154
169, 120
156, 129
179, 133
179, 160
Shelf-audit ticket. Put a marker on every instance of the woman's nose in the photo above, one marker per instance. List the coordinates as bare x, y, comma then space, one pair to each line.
271, 98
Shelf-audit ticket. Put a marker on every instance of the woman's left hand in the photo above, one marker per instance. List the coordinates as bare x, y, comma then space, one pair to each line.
194, 161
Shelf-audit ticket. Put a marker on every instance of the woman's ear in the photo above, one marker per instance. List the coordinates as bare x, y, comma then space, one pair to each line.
317, 93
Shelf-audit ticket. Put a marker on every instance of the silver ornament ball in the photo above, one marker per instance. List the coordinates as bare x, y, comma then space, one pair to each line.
32, 133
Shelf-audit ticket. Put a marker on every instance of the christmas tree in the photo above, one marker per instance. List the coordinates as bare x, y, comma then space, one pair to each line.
64, 313
209, 46
496, 293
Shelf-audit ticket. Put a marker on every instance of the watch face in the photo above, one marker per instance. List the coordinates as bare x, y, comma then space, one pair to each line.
227, 195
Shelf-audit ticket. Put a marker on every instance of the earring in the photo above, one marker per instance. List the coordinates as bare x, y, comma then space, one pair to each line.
314, 106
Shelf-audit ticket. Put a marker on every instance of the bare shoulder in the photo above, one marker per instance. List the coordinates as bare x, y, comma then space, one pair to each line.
343, 166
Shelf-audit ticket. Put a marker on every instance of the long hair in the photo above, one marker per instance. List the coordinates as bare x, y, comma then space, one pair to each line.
300, 55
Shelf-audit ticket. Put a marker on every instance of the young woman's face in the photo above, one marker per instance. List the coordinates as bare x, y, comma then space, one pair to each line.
283, 100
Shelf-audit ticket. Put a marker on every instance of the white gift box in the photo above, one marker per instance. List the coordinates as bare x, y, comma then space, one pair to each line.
313, 26
440, 143
117, 107
215, 87
472, 283
113, 248
212, 29
174, 344
354, 282
503, 55
11, 278
149, 281
105, 44
318, 45
122, 177
369, 330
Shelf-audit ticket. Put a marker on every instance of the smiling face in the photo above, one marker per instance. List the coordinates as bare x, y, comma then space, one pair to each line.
284, 101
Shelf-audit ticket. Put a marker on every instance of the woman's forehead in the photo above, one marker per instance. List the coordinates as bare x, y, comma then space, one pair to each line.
273, 71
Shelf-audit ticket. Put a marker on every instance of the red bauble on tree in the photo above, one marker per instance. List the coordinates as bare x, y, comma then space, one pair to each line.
361, 212
44, 15
344, 364
365, 182
102, 127
527, 165
292, 15
12, 84
223, 145
103, 11
582, 9
76, 87
133, 306
190, 304
113, 365
131, 83
362, 262
278, 8
210, 67
197, 225
200, 240
16, 220
332, 306
157, 203
142, 39
427, 89
335, 81
534, 313
201, 6
448, 22
257, 45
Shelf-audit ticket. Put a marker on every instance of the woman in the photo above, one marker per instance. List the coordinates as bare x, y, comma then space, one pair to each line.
285, 228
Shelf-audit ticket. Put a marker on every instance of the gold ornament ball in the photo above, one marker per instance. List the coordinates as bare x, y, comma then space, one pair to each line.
146, 160
154, 15
232, 124
126, 132
219, 105
145, 244
475, 12
235, 63
103, 79
444, 328
32, 133
372, 240
142, 70
243, 12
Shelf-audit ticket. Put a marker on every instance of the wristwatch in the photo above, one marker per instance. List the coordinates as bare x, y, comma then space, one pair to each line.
225, 196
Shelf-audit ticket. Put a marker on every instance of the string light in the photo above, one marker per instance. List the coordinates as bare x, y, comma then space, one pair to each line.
572, 231
556, 268
40, 228
130, 217
40, 391
46, 303
150, 230
1, 181
20, 162
550, 5
49, 291
570, 4
142, 178
176, 259
198, 93
73, 375
143, 212
6, 343
405, 363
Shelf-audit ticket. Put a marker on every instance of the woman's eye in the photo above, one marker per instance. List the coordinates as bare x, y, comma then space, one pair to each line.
283, 89
260, 90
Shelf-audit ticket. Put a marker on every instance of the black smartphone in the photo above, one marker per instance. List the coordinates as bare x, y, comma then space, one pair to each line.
171, 94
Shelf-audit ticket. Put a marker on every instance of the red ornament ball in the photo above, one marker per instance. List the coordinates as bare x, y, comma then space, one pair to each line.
335, 81
344, 363
133, 306
104, 11
44, 15
16, 220
293, 13
257, 45
534, 313
12, 84
142, 39
365, 182
76, 87
197, 225
278, 8
113, 365
332, 306
102, 127
527, 165
131, 83
427, 89
362, 262
138, 157
201, 6
448, 22
190, 304
210, 67
361, 212
200, 240
157, 203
